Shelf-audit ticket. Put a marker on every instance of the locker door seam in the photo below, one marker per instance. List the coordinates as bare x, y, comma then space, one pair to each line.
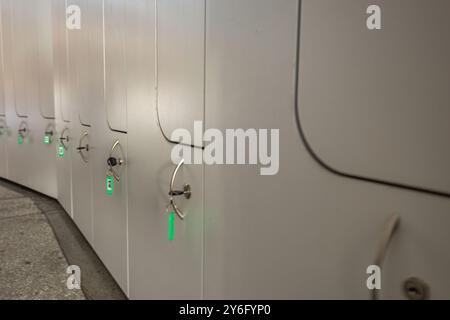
317, 158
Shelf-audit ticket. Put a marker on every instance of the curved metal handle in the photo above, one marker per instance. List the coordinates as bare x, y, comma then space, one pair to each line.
62, 138
81, 148
390, 227
174, 193
22, 132
113, 162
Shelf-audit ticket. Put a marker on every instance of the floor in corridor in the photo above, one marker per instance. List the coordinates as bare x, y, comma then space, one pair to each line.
38, 241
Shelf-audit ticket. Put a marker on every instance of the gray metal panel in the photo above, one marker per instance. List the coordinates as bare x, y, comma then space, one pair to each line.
110, 212
303, 233
115, 72
23, 56
180, 63
81, 45
376, 103
42, 160
78, 66
8, 84
17, 154
159, 268
3, 122
63, 164
2, 68
82, 183
64, 169
61, 57
45, 58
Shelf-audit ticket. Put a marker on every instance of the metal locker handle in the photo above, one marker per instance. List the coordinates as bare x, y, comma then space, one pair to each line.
81, 148
186, 192
112, 162
62, 138
3, 127
22, 131
390, 227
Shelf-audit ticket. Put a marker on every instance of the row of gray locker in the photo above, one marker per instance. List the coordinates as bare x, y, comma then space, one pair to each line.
135, 71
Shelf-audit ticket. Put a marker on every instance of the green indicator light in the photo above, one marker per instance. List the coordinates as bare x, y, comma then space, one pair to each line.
20, 140
47, 139
109, 185
61, 151
171, 225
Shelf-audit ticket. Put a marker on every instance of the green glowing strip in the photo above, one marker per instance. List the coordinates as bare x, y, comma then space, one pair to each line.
109, 185
171, 225
61, 151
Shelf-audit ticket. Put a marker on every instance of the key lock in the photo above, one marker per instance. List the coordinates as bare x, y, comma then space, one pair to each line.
114, 162
413, 288
3, 127
186, 192
83, 150
64, 138
48, 134
23, 131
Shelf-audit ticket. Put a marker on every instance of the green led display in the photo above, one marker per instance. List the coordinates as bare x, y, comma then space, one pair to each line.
61, 151
109, 185
47, 139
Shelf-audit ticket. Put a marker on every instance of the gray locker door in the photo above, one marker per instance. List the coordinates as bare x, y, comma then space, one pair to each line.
303, 232
79, 44
180, 65
41, 112
159, 268
63, 163
60, 56
375, 103
115, 73
78, 66
23, 46
3, 123
82, 181
110, 209
2, 67
20, 42
45, 59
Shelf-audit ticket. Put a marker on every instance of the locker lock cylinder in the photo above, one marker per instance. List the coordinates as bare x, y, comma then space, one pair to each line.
114, 162
48, 134
416, 289
22, 131
2, 126
80, 147
64, 137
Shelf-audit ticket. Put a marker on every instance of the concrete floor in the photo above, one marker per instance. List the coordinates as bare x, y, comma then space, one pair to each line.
38, 241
